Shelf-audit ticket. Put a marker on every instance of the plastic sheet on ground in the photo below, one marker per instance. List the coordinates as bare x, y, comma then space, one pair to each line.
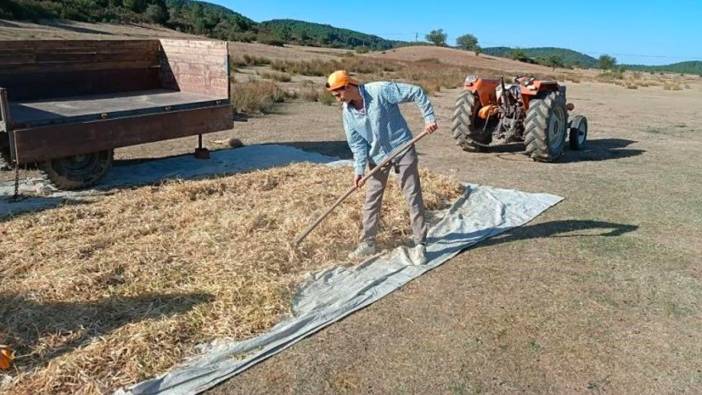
328, 296
41, 195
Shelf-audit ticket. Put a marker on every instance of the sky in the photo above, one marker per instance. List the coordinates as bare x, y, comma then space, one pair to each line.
634, 32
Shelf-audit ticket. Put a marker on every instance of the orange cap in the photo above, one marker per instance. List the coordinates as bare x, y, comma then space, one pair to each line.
339, 79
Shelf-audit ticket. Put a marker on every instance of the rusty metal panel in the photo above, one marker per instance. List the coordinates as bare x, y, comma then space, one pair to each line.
49, 142
195, 66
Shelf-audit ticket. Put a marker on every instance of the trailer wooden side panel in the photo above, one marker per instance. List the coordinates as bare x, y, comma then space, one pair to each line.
195, 66
41, 69
43, 143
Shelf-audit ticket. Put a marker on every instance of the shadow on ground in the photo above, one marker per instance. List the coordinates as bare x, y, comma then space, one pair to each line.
562, 228
594, 150
337, 149
602, 149
25, 321
8, 24
72, 28
551, 229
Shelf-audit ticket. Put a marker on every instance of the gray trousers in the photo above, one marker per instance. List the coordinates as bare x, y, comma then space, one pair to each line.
408, 178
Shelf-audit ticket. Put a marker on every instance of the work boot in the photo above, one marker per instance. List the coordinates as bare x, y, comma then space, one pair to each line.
418, 254
364, 250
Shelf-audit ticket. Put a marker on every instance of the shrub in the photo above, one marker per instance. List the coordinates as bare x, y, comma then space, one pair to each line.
275, 76
256, 60
609, 76
326, 98
362, 50
271, 41
256, 96
309, 94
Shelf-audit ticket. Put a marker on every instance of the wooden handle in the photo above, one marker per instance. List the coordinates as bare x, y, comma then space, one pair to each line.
382, 164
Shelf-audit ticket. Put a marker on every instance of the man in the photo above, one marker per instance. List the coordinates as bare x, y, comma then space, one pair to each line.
375, 129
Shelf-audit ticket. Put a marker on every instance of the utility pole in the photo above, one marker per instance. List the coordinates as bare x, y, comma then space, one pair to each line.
416, 37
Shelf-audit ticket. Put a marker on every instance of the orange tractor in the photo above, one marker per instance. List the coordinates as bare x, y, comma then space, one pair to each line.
490, 112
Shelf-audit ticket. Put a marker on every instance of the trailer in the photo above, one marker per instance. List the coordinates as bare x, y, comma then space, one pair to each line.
67, 104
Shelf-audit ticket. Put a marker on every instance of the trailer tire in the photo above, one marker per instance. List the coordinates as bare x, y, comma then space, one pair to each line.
5, 159
468, 135
77, 171
545, 127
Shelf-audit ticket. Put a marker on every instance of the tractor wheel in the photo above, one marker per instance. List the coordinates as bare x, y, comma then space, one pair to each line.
468, 135
77, 171
545, 127
578, 132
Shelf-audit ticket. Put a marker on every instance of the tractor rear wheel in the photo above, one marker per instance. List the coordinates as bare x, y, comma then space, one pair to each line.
77, 171
545, 127
468, 135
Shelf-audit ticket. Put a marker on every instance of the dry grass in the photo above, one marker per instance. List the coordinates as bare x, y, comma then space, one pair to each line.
672, 86
100, 295
275, 76
256, 96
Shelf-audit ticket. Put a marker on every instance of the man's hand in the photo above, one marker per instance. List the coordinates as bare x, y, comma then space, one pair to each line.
431, 127
357, 180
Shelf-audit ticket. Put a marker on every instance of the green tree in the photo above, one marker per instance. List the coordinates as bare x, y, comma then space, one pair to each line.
134, 5
156, 13
438, 37
520, 55
468, 42
554, 61
606, 62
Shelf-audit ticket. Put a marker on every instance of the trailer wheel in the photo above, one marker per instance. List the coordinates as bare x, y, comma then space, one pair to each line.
545, 127
5, 159
468, 135
77, 171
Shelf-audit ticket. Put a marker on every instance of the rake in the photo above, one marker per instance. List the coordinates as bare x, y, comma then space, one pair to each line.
382, 164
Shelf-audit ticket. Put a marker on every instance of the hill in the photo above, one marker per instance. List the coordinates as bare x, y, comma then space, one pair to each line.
574, 58
195, 17
568, 56
691, 67
307, 33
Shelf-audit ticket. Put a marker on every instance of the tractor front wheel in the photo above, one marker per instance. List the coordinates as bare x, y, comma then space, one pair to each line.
77, 171
578, 132
467, 133
545, 127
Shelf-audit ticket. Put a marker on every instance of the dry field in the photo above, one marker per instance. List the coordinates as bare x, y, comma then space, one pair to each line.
602, 293
92, 305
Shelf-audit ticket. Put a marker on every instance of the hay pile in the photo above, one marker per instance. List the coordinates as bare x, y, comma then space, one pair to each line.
99, 295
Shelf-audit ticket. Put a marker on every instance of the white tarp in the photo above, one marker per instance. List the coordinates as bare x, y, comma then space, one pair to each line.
43, 195
335, 293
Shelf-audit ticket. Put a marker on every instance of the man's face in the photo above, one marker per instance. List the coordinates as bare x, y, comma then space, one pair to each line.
340, 94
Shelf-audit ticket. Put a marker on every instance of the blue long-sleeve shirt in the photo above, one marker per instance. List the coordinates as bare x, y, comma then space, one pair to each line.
379, 128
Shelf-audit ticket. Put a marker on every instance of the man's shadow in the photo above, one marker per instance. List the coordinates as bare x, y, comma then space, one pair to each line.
25, 322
